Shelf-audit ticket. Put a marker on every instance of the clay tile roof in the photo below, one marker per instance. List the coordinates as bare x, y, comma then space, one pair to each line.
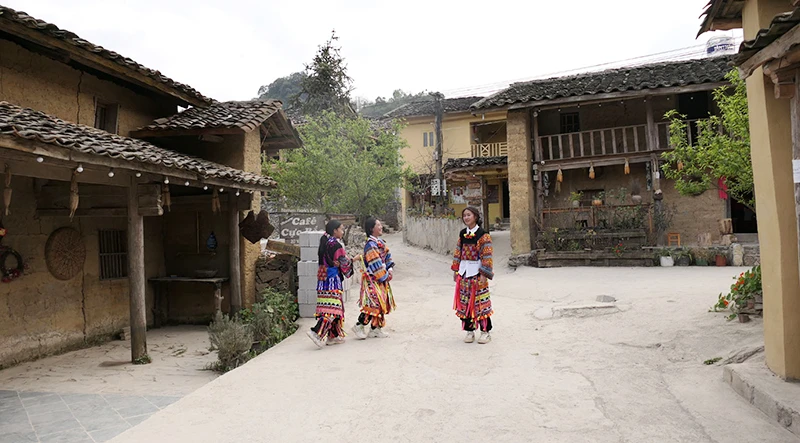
34, 125
720, 9
246, 115
52, 31
475, 162
426, 107
780, 25
651, 76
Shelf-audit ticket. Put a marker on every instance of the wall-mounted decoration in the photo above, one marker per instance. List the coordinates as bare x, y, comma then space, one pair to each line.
64, 253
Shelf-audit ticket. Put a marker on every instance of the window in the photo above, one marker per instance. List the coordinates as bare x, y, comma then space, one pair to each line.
113, 254
570, 122
427, 139
105, 116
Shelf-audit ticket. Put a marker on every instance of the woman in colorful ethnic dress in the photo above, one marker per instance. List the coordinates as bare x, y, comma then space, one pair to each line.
472, 268
376, 295
334, 266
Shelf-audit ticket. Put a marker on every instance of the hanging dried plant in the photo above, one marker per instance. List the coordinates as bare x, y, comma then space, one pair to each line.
591, 172
165, 198
7, 191
627, 167
559, 175
73, 195
215, 206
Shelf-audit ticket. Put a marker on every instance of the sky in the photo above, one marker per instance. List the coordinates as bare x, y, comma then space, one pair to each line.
228, 49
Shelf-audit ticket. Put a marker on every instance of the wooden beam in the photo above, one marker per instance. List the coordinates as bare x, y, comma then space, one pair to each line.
98, 62
774, 50
136, 276
652, 130
153, 133
608, 160
235, 261
725, 24
92, 212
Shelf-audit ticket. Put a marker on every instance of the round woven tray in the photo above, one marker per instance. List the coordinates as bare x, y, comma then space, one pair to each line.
65, 253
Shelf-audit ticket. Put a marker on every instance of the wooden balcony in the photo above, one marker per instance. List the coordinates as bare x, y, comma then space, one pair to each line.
490, 149
608, 142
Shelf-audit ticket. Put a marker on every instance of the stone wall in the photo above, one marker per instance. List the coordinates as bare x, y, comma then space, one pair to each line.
437, 234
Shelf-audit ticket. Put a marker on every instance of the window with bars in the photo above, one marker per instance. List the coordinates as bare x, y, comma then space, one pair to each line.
570, 122
113, 254
427, 139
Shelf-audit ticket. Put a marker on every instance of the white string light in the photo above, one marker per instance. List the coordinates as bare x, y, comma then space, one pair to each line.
39, 159
138, 174
111, 172
79, 168
187, 183
166, 180
205, 188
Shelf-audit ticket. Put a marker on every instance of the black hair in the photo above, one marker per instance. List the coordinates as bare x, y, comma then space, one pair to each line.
369, 225
474, 212
329, 228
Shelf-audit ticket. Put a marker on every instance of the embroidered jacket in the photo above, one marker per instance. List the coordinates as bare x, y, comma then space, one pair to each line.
335, 260
378, 259
474, 246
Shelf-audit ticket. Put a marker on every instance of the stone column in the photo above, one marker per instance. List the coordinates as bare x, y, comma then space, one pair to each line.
771, 145
520, 180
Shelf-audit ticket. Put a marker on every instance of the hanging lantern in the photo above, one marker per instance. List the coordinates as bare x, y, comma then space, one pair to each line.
680, 165
165, 198
627, 167
559, 175
591, 172
215, 206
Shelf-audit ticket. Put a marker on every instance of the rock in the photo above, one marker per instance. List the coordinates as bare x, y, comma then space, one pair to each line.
606, 299
519, 260
738, 254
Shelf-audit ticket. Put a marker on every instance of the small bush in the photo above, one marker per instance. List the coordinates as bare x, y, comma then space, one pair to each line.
232, 339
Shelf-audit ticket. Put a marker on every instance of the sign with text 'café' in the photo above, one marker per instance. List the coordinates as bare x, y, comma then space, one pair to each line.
291, 225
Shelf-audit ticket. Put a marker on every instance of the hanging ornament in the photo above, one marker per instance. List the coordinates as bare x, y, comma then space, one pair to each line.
215, 206
558, 187
73, 195
591, 171
7, 191
627, 167
559, 175
165, 198
680, 165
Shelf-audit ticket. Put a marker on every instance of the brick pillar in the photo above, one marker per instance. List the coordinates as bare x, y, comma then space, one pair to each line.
520, 180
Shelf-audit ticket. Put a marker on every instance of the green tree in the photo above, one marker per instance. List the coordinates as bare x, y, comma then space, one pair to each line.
721, 150
344, 166
283, 89
326, 85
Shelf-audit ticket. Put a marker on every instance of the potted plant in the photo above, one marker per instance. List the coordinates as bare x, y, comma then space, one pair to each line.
636, 193
597, 200
683, 258
700, 257
575, 198
720, 259
742, 296
665, 257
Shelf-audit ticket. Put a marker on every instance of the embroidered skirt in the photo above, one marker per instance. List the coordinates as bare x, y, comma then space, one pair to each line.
330, 308
376, 297
471, 300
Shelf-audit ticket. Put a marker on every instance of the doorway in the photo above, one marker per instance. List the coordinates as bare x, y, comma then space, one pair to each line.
506, 201
744, 219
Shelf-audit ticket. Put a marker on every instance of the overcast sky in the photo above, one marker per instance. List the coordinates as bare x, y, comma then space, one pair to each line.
227, 49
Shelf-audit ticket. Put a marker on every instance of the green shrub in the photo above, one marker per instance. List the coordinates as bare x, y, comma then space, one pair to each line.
232, 339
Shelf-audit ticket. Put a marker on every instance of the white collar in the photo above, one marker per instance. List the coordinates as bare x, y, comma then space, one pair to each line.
473, 230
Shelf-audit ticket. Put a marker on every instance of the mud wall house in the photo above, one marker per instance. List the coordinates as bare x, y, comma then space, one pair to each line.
769, 60
464, 135
603, 121
68, 109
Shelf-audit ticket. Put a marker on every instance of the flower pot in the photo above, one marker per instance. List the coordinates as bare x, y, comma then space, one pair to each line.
743, 318
721, 260
751, 304
683, 261
597, 202
576, 204
666, 261
701, 262
636, 199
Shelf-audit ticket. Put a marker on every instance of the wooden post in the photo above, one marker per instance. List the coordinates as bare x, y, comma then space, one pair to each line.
439, 111
652, 132
136, 276
538, 196
236, 275
485, 205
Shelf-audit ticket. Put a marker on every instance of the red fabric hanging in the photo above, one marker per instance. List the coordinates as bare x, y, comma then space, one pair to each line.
723, 189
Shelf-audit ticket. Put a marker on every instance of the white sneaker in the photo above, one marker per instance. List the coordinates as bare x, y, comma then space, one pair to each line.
358, 330
320, 342
378, 333
470, 337
335, 341
485, 338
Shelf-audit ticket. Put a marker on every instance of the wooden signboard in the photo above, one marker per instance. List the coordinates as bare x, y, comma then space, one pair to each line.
291, 225
283, 248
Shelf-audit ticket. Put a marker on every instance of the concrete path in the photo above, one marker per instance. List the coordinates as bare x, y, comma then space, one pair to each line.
631, 373
93, 394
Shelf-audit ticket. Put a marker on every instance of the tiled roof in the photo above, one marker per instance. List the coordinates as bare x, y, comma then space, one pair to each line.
34, 125
720, 9
52, 31
652, 76
475, 162
780, 25
246, 115
427, 107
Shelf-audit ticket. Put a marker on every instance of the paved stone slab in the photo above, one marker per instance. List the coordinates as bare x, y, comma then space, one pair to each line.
776, 398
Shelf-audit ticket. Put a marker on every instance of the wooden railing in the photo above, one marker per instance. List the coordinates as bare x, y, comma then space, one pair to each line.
490, 149
608, 141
